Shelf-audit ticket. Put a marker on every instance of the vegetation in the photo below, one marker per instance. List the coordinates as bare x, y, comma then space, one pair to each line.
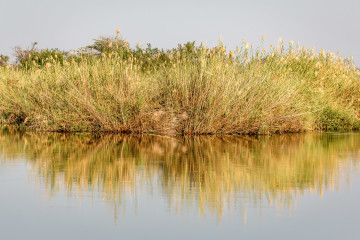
33, 58
4, 60
188, 90
209, 173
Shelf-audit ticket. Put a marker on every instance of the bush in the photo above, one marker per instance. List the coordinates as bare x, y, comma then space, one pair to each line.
334, 119
38, 58
148, 58
107, 45
4, 60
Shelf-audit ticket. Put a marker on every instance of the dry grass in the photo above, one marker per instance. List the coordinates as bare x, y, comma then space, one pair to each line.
205, 91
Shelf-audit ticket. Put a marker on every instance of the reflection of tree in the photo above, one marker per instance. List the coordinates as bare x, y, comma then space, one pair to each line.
208, 172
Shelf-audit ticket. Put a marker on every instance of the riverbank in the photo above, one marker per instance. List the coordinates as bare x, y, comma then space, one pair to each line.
183, 91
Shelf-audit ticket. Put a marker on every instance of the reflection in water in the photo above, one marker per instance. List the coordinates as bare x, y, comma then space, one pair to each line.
208, 173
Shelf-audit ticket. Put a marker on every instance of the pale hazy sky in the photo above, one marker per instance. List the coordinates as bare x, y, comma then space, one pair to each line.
70, 24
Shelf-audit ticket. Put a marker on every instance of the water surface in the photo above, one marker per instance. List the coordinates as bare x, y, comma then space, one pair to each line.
81, 186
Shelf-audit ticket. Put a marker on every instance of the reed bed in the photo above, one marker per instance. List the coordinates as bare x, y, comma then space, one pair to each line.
189, 90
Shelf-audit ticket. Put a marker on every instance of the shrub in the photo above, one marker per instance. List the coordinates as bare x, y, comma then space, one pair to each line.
38, 57
335, 119
149, 58
4, 60
107, 45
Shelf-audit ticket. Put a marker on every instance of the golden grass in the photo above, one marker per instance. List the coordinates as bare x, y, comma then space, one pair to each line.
206, 91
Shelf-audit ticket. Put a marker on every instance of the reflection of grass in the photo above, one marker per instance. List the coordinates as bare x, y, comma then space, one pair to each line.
207, 171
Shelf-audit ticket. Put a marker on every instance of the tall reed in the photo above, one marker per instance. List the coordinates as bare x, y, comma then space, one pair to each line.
186, 90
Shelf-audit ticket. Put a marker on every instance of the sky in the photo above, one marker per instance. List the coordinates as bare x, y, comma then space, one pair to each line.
71, 24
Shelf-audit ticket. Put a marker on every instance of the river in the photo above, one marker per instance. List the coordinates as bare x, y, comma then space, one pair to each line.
86, 186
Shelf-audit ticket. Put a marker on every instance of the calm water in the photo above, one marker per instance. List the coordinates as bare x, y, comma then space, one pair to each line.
56, 186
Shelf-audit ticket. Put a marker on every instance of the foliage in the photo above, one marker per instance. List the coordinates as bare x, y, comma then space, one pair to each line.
4, 60
34, 57
336, 119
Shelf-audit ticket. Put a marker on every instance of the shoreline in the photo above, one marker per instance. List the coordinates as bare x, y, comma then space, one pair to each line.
151, 134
